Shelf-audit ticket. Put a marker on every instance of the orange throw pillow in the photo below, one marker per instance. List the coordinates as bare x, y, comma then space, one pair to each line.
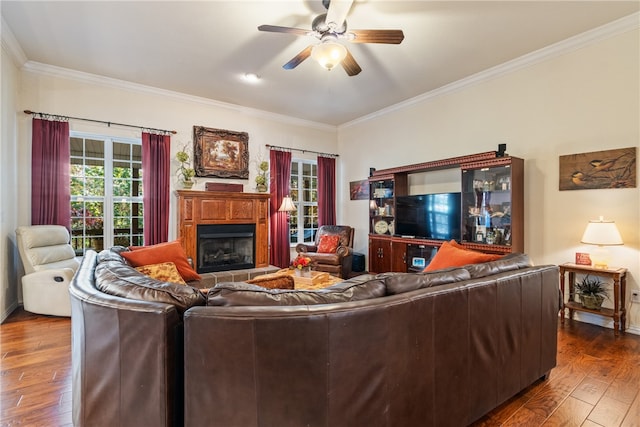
163, 252
328, 244
165, 272
452, 254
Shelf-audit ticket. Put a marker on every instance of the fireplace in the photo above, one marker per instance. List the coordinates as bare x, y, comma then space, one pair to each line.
201, 208
222, 247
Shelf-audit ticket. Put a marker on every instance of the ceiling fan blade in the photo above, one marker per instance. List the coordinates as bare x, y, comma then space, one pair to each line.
287, 30
350, 65
296, 60
377, 36
337, 13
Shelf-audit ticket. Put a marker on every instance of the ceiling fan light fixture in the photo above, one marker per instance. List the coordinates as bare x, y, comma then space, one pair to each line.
329, 53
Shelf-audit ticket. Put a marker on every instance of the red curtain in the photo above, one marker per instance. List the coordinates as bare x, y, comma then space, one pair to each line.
156, 152
326, 191
280, 175
50, 163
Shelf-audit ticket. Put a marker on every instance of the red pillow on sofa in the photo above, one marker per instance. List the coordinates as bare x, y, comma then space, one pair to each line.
452, 254
163, 252
328, 244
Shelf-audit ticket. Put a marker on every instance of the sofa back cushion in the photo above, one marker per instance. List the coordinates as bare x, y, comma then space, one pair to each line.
245, 294
397, 283
513, 261
115, 278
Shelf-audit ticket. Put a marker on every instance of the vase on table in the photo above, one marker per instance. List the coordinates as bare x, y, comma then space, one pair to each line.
303, 272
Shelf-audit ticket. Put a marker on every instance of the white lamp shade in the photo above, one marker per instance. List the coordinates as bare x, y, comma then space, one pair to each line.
602, 233
287, 205
329, 53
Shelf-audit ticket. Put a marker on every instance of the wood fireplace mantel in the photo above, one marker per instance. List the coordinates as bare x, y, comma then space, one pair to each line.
216, 207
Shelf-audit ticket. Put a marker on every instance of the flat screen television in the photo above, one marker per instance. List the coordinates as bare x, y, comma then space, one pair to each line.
429, 216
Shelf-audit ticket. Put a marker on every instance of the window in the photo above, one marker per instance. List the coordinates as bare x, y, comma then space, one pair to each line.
106, 192
304, 193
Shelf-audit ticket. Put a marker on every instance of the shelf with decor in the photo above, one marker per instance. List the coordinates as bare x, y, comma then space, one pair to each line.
393, 240
493, 205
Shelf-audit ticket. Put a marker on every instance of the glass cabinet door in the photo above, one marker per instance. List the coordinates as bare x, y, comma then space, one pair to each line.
381, 207
486, 205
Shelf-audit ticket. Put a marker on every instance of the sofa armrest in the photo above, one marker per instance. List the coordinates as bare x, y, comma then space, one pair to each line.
303, 248
344, 251
47, 291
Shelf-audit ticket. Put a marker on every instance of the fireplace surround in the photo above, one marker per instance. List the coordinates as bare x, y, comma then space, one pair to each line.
200, 208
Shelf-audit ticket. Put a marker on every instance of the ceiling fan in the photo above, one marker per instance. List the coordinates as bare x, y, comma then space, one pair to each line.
329, 28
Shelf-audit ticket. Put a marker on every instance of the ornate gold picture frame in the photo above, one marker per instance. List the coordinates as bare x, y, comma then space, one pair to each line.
220, 153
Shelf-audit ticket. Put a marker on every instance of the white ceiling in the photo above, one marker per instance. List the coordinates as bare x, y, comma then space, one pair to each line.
203, 48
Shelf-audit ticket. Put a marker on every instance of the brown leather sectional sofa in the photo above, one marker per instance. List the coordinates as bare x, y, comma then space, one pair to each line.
434, 349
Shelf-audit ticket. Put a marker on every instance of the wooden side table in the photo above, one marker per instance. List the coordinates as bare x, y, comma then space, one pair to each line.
619, 276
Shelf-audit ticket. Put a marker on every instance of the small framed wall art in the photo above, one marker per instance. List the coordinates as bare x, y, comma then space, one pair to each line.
598, 169
220, 153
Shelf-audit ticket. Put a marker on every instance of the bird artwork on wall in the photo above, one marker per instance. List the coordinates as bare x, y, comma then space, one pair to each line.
598, 169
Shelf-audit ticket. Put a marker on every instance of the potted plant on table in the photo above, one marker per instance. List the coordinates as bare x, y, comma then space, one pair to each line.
591, 292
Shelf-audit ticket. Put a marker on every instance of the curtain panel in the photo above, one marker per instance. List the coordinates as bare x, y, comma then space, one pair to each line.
326, 191
280, 176
156, 166
50, 163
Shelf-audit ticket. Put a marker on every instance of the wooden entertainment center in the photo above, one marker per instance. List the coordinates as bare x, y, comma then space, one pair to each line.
492, 210
217, 207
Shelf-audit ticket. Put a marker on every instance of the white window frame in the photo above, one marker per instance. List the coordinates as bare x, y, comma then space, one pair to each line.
108, 199
301, 204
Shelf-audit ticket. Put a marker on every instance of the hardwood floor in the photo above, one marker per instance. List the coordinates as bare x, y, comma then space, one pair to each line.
596, 382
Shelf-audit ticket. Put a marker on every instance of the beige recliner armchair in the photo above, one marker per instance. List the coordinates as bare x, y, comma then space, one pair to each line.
49, 265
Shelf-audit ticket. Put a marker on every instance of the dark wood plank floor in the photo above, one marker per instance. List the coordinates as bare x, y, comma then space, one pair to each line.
596, 382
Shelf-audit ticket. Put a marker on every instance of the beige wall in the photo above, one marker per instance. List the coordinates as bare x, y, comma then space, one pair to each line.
8, 190
158, 109
584, 100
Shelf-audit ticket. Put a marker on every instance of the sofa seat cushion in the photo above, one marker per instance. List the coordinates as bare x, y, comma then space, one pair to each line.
513, 261
245, 294
115, 278
397, 283
451, 254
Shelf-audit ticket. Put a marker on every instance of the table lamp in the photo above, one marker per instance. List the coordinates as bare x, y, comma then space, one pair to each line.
602, 233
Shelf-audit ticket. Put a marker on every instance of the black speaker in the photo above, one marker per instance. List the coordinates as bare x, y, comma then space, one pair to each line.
502, 148
371, 171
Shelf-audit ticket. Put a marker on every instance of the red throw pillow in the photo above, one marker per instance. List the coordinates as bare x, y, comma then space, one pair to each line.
328, 244
163, 252
452, 254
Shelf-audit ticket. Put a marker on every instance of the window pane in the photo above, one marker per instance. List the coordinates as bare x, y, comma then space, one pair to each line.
97, 164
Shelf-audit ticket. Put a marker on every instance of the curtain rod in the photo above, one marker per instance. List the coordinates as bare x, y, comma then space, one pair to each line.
100, 121
276, 147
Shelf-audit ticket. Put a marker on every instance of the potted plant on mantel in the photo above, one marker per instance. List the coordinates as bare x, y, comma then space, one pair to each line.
185, 171
591, 292
261, 178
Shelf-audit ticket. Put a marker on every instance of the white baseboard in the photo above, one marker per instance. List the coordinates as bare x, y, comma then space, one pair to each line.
8, 311
595, 319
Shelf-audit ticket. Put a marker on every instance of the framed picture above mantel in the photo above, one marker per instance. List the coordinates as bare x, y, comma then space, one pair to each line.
220, 153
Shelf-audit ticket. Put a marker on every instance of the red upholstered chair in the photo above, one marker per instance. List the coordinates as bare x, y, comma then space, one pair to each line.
336, 261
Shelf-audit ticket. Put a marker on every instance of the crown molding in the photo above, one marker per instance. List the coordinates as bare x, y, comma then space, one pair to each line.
11, 45
79, 76
617, 27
